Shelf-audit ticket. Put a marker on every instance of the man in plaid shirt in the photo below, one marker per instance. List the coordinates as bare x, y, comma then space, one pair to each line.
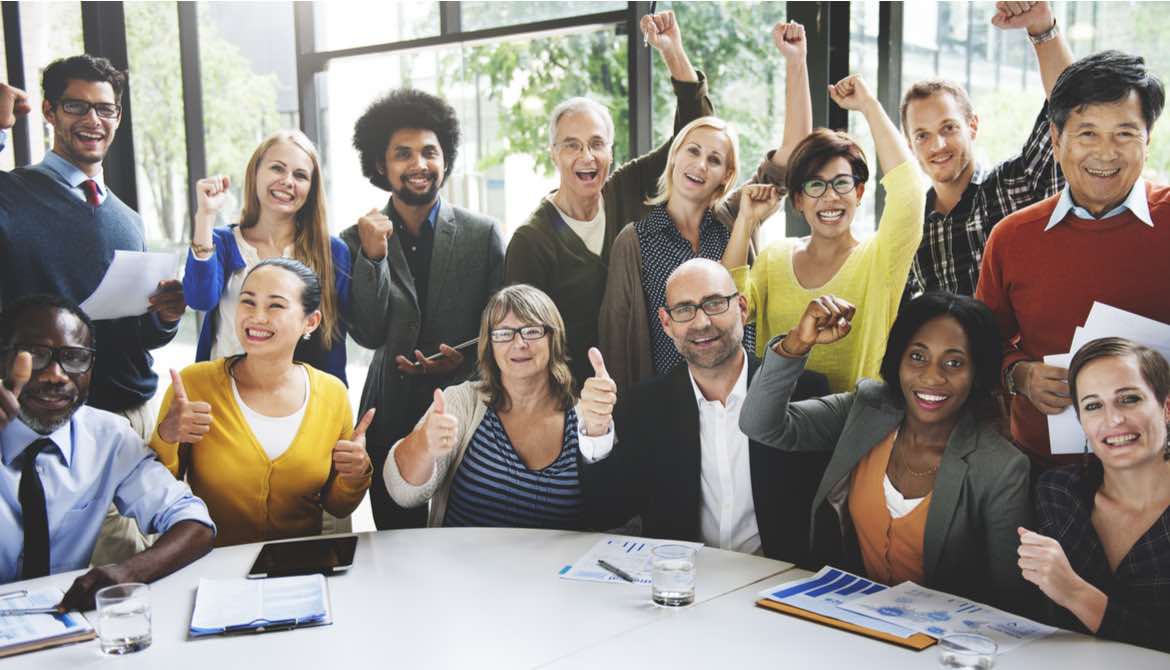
965, 200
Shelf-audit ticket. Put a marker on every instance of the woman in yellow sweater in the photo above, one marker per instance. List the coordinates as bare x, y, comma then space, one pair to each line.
264, 441
826, 179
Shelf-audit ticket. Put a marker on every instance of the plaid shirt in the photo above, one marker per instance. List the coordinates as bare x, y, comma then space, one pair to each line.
952, 244
1138, 611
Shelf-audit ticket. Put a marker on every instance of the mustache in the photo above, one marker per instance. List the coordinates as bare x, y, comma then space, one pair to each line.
50, 390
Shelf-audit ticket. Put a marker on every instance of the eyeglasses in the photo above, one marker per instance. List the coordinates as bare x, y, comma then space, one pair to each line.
711, 306
73, 360
106, 110
575, 147
530, 333
842, 183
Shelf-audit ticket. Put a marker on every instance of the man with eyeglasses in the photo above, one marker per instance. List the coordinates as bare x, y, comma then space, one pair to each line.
62, 463
59, 229
680, 459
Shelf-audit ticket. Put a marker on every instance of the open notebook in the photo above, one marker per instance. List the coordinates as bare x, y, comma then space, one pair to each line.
27, 632
227, 606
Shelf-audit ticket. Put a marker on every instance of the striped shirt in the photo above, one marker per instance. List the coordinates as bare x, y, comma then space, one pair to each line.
493, 487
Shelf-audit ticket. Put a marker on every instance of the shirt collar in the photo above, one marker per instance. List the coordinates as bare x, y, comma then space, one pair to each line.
1137, 202
978, 175
432, 215
70, 173
658, 221
738, 392
17, 436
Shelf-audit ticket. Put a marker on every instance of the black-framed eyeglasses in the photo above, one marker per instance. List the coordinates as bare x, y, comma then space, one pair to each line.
716, 304
106, 110
530, 333
842, 183
73, 360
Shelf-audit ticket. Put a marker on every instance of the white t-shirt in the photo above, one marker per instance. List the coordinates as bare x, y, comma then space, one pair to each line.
592, 233
226, 343
897, 505
274, 433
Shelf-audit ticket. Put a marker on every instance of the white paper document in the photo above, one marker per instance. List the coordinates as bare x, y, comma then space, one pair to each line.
22, 629
630, 554
936, 614
1064, 430
827, 591
226, 605
128, 284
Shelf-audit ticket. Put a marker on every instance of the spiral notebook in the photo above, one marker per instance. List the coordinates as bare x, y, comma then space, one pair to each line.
240, 606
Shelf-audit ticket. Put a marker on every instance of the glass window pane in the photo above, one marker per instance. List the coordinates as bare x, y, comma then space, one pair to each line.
160, 146
49, 30
249, 84
480, 15
343, 25
7, 156
731, 42
503, 93
863, 33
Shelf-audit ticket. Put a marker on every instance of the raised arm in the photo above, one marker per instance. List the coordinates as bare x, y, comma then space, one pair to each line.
853, 94
1053, 53
13, 103
369, 289
790, 41
661, 32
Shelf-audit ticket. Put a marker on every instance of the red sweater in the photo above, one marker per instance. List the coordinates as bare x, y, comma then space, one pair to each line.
1040, 285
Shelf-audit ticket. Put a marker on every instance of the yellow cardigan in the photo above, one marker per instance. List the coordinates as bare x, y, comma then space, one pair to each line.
873, 278
250, 497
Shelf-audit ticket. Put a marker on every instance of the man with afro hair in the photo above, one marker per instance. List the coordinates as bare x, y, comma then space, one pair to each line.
423, 270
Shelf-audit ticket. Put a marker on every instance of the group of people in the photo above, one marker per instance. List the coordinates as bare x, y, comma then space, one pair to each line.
629, 356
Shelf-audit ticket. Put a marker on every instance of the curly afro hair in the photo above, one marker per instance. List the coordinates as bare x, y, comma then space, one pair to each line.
398, 109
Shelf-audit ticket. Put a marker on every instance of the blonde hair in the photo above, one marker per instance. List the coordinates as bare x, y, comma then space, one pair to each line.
312, 244
532, 306
666, 181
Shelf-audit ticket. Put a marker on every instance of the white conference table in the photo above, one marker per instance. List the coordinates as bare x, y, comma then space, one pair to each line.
427, 598
731, 632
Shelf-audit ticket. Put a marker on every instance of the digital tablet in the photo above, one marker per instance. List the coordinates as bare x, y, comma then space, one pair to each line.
328, 556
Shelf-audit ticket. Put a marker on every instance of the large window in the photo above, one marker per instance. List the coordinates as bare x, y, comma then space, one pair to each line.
49, 30
342, 25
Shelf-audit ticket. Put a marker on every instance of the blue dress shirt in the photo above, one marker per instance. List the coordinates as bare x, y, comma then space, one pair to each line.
66, 171
98, 459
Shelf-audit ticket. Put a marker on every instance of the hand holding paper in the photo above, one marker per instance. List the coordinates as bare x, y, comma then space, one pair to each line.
129, 283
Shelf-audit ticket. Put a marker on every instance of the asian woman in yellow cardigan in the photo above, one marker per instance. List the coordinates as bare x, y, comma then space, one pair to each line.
270, 440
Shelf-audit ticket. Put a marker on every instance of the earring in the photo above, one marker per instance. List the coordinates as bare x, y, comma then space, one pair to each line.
307, 336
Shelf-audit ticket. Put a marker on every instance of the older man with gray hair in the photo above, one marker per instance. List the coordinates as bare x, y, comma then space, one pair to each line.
680, 459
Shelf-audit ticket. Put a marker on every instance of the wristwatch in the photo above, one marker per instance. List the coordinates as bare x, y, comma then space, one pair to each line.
1009, 380
1043, 37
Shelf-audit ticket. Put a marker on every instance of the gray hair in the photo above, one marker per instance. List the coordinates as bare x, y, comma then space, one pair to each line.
574, 106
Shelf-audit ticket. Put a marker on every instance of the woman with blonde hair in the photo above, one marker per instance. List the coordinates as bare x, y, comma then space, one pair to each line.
508, 450
283, 215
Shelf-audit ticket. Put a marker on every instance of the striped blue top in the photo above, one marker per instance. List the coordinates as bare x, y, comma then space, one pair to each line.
493, 487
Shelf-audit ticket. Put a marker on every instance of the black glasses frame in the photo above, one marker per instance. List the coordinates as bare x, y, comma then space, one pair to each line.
75, 107
497, 335
817, 188
711, 306
48, 355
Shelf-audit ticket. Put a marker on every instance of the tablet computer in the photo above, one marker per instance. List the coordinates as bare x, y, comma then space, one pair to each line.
328, 556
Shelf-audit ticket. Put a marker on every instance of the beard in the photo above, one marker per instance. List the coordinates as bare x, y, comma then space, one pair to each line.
413, 198
727, 342
45, 425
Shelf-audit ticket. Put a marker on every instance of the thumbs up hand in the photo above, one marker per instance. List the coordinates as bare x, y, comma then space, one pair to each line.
18, 375
350, 459
187, 420
440, 428
598, 396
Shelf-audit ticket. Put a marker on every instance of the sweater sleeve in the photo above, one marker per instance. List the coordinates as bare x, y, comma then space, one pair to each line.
615, 317
203, 279
369, 294
408, 495
900, 230
1009, 506
527, 261
992, 291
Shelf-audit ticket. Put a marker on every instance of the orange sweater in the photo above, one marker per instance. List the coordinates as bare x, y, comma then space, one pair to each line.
891, 548
1040, 285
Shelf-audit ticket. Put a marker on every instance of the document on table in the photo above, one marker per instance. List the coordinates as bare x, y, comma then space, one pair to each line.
1064, 430
128, 283
255, 605
26, 632
936, 614
826, 593
631, 554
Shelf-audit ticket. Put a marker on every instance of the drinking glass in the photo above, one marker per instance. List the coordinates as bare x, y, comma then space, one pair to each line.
672, 575
967, 651
124, 618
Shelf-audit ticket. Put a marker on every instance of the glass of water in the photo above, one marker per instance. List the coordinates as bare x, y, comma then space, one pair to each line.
967, 651
672, 575
124, 618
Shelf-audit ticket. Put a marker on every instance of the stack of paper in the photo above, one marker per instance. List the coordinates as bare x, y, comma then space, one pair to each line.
629, 554
259, 605
1064, 431
26, 632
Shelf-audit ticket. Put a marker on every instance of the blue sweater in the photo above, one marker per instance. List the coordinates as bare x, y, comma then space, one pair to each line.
53, 242
205, 281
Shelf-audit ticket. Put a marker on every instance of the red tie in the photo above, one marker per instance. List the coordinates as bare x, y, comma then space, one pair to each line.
91, 192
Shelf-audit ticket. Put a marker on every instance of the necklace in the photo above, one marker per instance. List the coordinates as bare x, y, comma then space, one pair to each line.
912, 472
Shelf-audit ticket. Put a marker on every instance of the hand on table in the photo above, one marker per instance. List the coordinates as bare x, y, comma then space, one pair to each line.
80, 595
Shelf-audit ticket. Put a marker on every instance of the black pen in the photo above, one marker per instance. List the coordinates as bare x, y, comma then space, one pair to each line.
615, 571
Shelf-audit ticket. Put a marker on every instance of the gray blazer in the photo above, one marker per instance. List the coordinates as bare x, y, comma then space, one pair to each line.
980, 496
467, 265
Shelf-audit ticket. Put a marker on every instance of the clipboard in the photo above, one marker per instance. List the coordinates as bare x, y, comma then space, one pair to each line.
250, 606
917, 641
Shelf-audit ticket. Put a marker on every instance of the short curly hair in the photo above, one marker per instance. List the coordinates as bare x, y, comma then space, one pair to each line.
398, 109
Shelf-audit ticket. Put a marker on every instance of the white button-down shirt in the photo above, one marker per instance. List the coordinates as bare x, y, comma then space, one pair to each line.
727, 514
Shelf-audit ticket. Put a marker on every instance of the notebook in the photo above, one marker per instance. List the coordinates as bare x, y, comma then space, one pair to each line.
28, 632
229, 606
820, 598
